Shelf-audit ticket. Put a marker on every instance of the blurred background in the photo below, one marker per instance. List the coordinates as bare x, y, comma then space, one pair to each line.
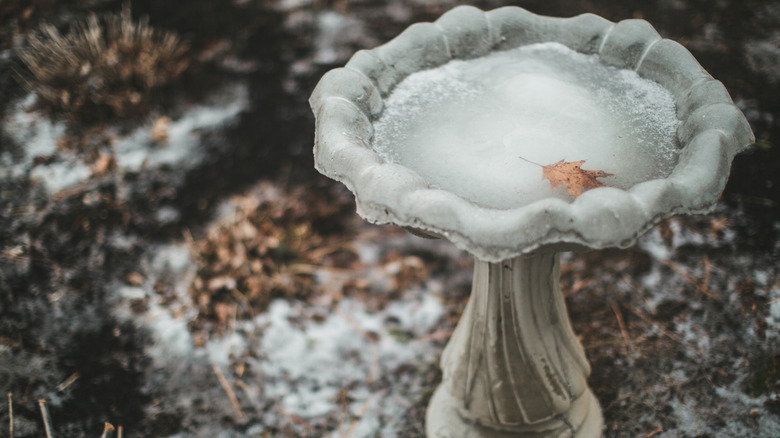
172, 264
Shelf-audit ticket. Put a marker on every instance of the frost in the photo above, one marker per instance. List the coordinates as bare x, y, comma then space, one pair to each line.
464, 125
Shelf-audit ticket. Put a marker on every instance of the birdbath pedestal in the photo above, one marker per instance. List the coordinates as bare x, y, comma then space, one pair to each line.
513, 367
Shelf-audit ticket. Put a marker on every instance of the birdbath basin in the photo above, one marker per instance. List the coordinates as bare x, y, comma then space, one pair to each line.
467, 128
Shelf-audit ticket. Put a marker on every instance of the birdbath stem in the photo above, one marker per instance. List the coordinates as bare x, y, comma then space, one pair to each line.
513, 366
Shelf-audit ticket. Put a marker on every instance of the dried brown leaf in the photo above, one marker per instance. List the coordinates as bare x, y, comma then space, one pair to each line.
573, 177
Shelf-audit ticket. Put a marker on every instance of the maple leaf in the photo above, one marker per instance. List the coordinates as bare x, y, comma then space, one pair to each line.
571, 175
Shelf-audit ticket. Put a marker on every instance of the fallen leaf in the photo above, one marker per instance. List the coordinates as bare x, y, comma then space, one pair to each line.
103, 164
160, 129
575, 179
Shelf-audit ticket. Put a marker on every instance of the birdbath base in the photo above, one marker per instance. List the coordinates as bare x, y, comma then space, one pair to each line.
443, 421
514, 367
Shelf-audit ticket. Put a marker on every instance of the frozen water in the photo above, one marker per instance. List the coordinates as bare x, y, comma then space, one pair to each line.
465, 125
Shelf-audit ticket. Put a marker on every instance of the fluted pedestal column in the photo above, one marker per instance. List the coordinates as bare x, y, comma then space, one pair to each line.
513, 367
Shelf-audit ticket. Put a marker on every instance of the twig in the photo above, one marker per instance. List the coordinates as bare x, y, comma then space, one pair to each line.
577, 286
10, 415
529, 161
294, 418
707, 268
309, 269
653, 433
618, 342
322, 251
69, 381
617, 400
107, 429
622, 325
229, 391
46, 418
438, 335
239, 296
249, 395
361, 412
372, 337
647, 319
701, 287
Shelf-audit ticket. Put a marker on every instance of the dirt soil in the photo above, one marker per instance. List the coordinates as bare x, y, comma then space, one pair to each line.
184, 271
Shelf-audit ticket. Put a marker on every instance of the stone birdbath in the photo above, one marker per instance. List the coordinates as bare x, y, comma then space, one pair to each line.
517, 136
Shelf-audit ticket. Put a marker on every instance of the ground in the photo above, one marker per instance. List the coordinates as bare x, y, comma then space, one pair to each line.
182, 270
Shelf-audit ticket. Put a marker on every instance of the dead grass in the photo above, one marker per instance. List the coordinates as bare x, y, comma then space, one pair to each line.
103, 66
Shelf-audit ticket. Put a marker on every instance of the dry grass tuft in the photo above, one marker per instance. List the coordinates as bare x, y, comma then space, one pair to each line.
104, 66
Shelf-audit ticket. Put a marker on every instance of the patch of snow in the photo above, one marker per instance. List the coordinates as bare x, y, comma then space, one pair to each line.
763, 56
335, 33
165, 320
693, 335
773, 318
220, 350
421, 316
172, 339
654, 245
137, 150
774, 308
37, 133
175, 258
689, 422
305, 364
369, 254
319, 358
291, 5
38, 137
167, 214
61, 174
658, 284
768, 425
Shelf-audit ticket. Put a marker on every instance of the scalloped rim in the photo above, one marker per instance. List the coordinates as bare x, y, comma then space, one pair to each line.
347, 99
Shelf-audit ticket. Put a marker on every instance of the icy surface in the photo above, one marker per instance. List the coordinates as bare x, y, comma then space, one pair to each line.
465, 126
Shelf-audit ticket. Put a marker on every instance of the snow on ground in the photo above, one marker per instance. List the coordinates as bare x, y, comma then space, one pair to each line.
181, 147
61, 169
342, 367
306, 367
